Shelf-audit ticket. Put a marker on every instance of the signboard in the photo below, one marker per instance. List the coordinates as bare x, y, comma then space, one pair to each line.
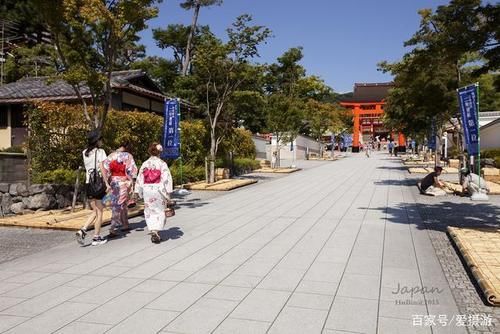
171, 130
468, 101
431, 136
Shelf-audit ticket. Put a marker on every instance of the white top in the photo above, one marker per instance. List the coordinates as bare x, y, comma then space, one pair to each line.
474, 178
91, 162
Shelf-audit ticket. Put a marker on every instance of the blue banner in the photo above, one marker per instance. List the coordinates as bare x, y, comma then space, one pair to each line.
431, 136
171, 130
467, 97
346, 140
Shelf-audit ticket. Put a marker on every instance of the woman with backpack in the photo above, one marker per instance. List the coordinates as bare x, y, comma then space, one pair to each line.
119, 171
154, 184
93, 156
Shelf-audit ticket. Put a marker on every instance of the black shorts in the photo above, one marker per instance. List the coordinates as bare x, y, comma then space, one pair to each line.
92, 197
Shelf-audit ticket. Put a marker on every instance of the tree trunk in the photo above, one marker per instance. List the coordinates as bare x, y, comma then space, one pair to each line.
187, 59
213, 152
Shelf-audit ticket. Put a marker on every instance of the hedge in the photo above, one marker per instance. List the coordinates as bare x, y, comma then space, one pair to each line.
58, 135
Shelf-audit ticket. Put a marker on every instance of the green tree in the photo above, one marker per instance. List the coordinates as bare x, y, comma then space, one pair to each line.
194, 5
93, 38
163, 71
284, 119
283, 76
446, 50
221, 68
175, 38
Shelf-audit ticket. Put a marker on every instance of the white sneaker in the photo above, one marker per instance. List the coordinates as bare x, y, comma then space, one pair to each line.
80, 236
98, 240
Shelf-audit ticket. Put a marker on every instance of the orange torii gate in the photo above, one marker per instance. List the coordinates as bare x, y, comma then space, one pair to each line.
367, 104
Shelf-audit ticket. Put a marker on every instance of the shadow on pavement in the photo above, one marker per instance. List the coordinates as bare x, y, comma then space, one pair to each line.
438, 216
172, 233
402, 168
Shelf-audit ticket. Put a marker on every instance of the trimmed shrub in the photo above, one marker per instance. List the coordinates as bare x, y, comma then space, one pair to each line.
59, 176
239, 141
245, 165
194, 142
59, 135
190, 173
492, 154
139, 128
13, 149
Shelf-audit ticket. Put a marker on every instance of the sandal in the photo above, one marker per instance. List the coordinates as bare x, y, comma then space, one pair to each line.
155, 238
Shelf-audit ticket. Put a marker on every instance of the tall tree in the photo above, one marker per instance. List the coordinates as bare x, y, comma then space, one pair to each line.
283, 76
93, 38
221, 68
447, 43
175, 38
194, 5
163, 71
284, 119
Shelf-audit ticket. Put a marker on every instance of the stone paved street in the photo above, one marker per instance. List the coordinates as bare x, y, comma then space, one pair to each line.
331, 249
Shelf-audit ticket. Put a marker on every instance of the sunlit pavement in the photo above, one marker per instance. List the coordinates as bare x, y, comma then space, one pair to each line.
337, 247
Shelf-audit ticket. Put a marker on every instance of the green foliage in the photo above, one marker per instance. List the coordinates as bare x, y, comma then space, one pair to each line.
239, 141
59, 176
194, 142
13, 149
491, 153
190, 173
57, 137
162, 71
284, 116
221, 68
92, 39
138, 128
245, 165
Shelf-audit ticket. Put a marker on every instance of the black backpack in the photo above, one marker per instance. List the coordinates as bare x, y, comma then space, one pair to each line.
96, 186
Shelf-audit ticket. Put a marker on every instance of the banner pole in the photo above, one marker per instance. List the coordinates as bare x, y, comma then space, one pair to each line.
180, 139
478, 138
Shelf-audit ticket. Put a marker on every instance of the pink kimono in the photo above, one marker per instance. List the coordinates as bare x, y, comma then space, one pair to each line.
154, 184
121, 168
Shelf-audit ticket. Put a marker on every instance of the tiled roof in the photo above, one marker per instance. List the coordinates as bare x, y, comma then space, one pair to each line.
369, 92
58, 90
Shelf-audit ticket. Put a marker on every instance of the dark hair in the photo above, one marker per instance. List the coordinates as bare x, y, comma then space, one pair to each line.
153, 150
438, 169
93, 138
89, 148
126, 145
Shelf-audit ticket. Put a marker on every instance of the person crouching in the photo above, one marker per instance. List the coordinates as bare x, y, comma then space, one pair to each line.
431, 185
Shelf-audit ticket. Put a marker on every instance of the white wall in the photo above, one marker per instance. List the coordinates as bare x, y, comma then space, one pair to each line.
260, 147
6, 134
490, 136
301, 145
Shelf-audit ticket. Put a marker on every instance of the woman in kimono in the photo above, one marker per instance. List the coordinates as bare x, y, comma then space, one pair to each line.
154, 184
120, 171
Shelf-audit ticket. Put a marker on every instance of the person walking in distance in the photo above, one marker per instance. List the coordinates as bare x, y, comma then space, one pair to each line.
154, 184
119, 171
93, 156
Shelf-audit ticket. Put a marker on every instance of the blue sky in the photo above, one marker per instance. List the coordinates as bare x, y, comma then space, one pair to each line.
343, 40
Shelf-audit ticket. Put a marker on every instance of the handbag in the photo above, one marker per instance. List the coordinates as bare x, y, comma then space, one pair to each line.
96, 186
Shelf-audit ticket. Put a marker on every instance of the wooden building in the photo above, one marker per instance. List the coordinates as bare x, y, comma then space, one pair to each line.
367, 104
132, 90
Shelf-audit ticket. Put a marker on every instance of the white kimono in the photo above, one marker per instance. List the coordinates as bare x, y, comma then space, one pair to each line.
154, 184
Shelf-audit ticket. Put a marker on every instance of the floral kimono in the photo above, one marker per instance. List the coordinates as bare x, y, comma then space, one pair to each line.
121, 168
154, 184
